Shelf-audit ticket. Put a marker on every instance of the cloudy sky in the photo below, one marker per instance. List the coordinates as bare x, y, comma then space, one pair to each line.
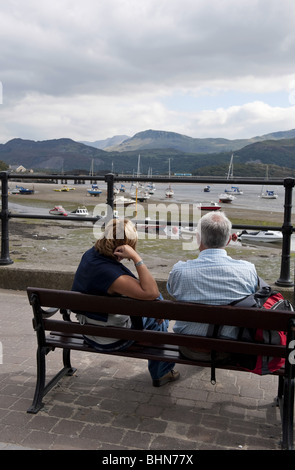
92, 69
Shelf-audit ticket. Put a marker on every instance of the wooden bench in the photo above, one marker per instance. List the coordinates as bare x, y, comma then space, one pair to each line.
55, 329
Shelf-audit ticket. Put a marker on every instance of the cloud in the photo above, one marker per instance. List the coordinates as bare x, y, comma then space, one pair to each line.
89, 70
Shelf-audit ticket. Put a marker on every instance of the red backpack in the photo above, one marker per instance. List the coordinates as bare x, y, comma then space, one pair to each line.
265, 297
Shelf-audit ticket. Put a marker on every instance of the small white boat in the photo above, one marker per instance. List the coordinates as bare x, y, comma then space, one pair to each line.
123, 201
151, 188
224, 197
268, 236
188, 231
234, 190
269, 194
81, 212
209, 206
142, 196
58, 210
169, 192
149, 226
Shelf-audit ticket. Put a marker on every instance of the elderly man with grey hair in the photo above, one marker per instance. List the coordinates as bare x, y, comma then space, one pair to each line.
212, 278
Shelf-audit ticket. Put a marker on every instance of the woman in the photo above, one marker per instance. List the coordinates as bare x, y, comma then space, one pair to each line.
101, 272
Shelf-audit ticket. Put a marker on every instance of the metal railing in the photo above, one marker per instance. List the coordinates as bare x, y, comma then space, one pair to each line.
287, 228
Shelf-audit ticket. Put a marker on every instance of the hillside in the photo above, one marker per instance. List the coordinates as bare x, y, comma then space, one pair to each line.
278, 152
66, 155
152, 139
105, 143
56, 154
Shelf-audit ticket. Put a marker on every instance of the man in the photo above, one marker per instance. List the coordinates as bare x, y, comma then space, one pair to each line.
212, 278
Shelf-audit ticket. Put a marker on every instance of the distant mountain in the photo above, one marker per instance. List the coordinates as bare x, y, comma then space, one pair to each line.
152, 139
56, 154
110, 142
66, 155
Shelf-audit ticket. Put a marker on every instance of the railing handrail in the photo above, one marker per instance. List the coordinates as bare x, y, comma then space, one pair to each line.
287, 228
154, 178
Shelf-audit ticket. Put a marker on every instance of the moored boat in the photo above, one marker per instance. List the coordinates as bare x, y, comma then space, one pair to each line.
80, 212
149, 226
209, 206
269, 194
64, 189
226, 197
58, 210
268, 236
169, 193
123, 201
94, 190
22, 190
188, 231
234, 190
142, 195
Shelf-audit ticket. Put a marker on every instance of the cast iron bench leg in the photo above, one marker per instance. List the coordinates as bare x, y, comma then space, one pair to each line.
41, 390
288, 414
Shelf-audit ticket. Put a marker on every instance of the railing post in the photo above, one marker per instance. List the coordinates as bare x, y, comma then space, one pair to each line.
4, 215
109, 178
287, 230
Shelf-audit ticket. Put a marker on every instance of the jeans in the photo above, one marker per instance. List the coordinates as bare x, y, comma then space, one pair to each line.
156, 368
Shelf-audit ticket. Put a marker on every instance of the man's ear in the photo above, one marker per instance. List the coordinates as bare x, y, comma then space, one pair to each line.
229, 240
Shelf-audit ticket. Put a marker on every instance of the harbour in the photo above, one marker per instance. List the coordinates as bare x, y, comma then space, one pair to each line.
63, 242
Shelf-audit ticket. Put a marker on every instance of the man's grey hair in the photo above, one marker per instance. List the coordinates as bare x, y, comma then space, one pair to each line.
214, 230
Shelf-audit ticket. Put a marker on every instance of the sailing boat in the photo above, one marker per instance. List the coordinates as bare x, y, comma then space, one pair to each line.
151, 188
140, 193
230, 174
169, 193
268, 194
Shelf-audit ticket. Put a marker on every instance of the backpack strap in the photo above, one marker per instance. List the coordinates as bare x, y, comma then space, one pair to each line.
264, 291
212, 332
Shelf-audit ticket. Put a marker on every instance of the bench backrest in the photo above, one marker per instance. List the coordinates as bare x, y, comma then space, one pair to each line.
226, 315
188, 311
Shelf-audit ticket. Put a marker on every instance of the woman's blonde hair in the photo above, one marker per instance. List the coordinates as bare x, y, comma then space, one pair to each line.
117, 232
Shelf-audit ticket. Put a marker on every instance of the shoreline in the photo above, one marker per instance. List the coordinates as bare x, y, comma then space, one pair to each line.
46, 196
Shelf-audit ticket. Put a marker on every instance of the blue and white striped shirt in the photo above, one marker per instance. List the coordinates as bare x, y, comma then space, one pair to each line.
213, 278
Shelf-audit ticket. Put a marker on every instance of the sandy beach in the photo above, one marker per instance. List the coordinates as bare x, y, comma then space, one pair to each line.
61, 243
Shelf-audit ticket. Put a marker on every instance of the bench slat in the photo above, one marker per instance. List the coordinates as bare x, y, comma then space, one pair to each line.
158, 337
227, 315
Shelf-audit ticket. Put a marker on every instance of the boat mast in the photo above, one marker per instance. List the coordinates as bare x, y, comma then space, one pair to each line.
230, 173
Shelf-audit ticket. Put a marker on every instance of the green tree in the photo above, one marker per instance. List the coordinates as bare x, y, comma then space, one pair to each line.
3, 166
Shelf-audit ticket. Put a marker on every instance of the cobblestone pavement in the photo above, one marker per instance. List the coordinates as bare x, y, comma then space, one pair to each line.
110, 403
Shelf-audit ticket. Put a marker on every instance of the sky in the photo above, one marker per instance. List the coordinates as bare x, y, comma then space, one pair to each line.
89, 70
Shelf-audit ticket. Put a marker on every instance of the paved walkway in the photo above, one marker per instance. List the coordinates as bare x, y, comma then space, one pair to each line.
110, 403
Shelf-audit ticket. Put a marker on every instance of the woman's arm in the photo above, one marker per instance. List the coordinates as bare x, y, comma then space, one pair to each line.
143, 288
